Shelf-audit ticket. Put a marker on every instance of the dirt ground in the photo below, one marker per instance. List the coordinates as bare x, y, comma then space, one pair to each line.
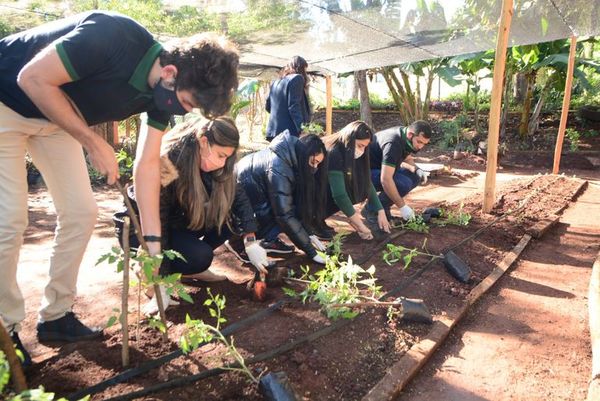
346, 363
527, 338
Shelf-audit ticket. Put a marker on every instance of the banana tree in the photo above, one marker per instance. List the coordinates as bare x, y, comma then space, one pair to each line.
411, 103
524, 59
470, 67
553, 73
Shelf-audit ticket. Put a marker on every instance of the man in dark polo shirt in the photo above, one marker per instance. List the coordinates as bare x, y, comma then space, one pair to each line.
393, 170
55, 81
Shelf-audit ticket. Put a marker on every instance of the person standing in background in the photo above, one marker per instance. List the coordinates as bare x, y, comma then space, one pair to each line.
288, 103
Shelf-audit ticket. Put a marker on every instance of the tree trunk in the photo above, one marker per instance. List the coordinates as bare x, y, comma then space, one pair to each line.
355, 86
397, 93
520, 87
105, 130
535, 116
430, 80
365, 105
410, 98
418, 104
530, 77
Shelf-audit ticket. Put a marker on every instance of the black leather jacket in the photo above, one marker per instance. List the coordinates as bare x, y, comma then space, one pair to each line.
269, 178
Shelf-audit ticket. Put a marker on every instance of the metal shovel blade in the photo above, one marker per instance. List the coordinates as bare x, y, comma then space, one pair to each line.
414, 310
276, 387
456, 267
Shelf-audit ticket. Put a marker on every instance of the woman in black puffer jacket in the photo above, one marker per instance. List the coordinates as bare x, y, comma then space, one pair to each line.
287, 184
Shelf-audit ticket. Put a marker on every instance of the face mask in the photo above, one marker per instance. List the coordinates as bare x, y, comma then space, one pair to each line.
208, 163
166, 100
358, 153
313, 170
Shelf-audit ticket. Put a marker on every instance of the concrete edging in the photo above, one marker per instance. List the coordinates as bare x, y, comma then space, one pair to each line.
594, 319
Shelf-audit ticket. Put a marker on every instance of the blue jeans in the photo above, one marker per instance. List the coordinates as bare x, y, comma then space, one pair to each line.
269, 233
405, 181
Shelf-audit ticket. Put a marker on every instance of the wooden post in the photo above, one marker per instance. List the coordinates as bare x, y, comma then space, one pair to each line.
496, 106
115, 129
329, 106
565, 107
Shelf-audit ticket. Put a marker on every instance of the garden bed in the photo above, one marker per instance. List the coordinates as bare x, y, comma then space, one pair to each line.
343, 364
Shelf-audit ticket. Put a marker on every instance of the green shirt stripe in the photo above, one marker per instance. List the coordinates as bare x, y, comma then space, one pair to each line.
62, 54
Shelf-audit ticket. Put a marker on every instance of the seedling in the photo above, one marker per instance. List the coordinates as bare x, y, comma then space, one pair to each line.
339, 283
149, 265
416, 224
335, 245
456, 218
199, 332
395, 253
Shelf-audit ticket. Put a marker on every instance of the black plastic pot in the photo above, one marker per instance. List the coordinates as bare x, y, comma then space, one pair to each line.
456, 267
433, 212
276, 275
276, 387
414, 310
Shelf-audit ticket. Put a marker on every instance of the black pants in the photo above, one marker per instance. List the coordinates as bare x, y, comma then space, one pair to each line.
197, 247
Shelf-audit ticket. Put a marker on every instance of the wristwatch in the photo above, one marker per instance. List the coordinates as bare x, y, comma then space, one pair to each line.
248, 239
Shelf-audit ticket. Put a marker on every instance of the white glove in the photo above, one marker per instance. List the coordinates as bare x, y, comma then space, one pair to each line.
366, 235
151, 308
319, 259
423, 175
319, 246
406, 212
258, 256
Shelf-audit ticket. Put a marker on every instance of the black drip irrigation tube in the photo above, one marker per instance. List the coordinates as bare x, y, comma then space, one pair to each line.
181, 381
155, 363
311, 337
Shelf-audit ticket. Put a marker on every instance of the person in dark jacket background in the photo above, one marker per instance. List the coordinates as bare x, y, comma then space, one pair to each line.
288, 103
286, 184
198, 195
350, 176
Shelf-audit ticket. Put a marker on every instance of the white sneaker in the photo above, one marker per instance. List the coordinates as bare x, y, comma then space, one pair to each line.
151, 308
208, 276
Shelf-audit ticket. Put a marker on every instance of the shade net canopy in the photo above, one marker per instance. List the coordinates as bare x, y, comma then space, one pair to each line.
341, 36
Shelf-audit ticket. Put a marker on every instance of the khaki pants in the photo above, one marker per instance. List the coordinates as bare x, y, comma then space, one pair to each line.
59, 157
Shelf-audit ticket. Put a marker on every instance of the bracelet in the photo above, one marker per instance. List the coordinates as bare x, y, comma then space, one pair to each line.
152, 238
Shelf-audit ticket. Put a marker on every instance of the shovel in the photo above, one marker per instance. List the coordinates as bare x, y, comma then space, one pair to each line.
456, 267
258, 284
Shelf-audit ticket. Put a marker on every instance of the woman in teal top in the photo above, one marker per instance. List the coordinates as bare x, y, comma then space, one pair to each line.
350, 176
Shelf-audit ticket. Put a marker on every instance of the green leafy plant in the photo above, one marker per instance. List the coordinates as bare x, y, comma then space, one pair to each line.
198, 332
396, 253
125, 160
574, 138
149, 265
337, 284
456, 218
313, 128
335, 245
416, 224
